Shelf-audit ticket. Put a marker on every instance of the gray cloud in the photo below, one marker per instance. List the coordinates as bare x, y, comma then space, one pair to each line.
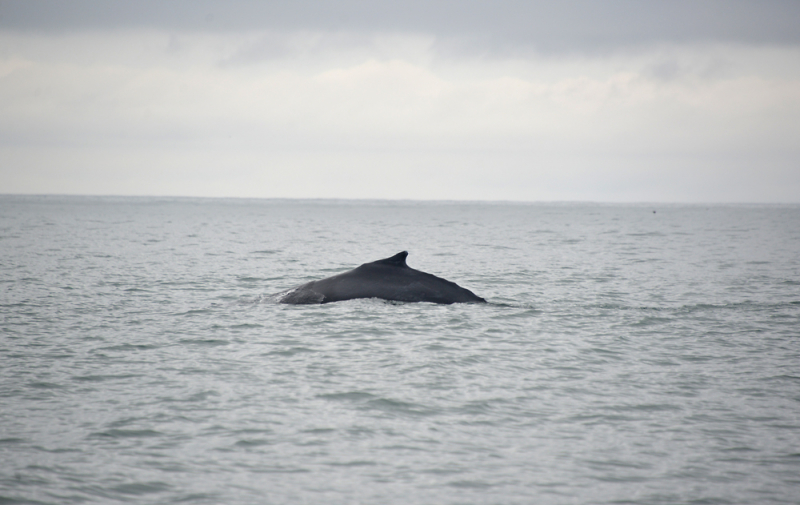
615, 100
504, 26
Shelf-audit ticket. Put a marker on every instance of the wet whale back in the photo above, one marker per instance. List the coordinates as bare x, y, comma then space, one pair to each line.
389, 279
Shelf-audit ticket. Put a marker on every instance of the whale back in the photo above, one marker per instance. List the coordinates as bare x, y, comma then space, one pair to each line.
389, 279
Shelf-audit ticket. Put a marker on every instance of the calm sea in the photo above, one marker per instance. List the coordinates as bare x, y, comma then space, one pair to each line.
636, 354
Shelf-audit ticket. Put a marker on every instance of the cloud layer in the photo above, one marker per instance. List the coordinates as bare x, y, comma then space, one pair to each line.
385, 104
580, 25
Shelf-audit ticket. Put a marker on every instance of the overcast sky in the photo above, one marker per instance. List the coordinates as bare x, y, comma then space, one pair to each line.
618, 101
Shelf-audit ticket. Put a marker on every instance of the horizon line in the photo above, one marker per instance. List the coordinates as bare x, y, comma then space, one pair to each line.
399, 200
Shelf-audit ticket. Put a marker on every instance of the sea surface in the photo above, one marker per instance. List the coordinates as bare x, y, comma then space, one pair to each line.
629, 354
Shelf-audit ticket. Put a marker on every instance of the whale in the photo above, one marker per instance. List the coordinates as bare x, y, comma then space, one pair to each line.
388, 279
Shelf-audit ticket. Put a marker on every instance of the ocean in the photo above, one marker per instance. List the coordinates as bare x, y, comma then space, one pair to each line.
629, 354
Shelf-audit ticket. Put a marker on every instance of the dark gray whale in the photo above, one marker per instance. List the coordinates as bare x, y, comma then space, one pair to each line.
389, 279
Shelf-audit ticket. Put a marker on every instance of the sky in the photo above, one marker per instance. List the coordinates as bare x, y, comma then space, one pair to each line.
613, 101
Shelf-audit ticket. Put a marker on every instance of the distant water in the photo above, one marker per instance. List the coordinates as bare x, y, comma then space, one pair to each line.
626, 355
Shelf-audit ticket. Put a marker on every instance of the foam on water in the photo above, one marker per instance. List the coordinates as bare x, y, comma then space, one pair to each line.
624, 357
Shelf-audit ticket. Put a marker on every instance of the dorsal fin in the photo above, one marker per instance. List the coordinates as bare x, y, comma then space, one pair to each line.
398, 260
